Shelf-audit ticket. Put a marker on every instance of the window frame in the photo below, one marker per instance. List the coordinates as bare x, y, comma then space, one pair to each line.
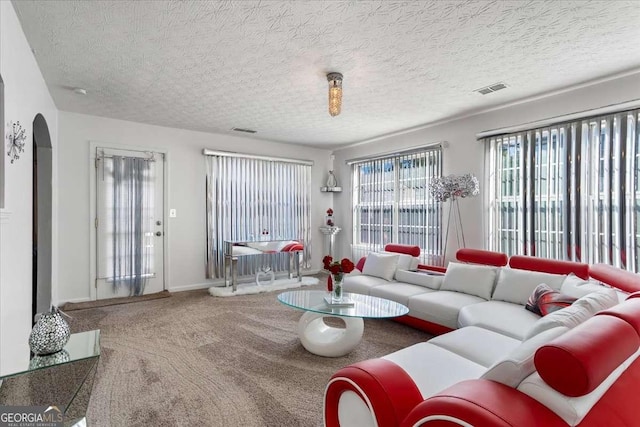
404, 200
595, 201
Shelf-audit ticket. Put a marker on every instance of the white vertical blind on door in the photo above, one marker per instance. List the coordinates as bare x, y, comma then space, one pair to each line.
254, 199
126, 206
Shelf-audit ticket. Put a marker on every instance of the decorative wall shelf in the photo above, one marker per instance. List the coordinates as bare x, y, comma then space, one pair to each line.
329, 230
331, 189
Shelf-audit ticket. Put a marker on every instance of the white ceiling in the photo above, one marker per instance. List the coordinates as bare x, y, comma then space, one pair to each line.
214, 65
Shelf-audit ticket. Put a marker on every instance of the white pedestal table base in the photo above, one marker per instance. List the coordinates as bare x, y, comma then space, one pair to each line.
324, 340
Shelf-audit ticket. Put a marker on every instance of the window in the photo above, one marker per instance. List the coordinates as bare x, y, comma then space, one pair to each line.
392, 204
569, 191
256, 199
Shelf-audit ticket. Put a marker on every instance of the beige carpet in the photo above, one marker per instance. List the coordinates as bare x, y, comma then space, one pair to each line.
196, 360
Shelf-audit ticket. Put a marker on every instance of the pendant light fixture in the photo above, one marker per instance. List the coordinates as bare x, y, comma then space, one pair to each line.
335, 93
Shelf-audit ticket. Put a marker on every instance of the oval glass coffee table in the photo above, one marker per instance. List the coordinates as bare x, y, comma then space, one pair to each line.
324, 340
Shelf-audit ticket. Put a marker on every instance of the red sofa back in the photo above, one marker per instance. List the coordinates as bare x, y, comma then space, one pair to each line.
403, 249
616, 277
393, 247
546, 265
479, 256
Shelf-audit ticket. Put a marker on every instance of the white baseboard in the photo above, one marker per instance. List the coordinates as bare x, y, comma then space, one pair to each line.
73, 300
220, 282
193, 287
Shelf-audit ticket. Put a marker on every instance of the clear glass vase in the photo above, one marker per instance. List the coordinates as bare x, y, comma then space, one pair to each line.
336, 293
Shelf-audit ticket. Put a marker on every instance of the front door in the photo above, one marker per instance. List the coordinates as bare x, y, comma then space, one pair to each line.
129, 222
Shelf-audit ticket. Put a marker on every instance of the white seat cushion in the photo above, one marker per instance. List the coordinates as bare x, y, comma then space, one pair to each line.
428, 280
517, 364
516, 285
434, 368
399, 292
504, 317
600, 300
569, 317
481, 346
576, 313
441, 307
471, 279
361, 283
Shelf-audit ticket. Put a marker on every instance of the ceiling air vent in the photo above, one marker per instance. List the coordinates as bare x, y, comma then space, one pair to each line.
491, 88
243, 130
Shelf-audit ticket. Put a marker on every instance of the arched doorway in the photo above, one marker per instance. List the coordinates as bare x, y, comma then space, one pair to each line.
42, 214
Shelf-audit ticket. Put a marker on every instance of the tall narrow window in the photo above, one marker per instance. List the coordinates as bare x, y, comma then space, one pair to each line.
568, 191
254, 199
392, 204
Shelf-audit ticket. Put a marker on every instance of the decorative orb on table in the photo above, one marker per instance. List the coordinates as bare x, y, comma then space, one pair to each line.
50, 333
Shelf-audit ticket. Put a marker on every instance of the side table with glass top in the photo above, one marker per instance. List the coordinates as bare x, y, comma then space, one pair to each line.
324, 340
63, 379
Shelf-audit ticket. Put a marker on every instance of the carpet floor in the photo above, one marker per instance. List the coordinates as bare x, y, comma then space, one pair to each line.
194, 359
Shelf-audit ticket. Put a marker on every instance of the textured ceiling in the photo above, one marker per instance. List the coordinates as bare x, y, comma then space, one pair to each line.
214, 65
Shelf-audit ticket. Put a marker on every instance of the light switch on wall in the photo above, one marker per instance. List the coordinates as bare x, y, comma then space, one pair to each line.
172, 213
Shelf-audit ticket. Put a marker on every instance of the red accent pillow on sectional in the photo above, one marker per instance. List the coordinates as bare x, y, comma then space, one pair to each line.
545, 300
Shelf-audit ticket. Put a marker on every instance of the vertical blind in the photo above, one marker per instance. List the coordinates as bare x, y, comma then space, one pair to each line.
126, 203
392, 204
568, 191
250, 199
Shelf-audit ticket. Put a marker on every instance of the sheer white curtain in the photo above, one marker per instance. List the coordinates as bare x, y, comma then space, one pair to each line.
392, 204
126, 254
251, 199
568, 191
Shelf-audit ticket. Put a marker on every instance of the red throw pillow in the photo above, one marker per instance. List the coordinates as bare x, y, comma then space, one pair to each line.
545, 300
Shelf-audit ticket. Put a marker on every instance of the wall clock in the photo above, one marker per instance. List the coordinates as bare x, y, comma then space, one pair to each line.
16, 136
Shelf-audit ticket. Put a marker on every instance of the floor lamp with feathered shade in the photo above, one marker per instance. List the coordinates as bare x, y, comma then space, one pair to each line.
452, 188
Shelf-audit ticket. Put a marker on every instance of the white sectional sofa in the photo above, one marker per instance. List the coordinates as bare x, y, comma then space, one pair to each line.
467, 294
486, 334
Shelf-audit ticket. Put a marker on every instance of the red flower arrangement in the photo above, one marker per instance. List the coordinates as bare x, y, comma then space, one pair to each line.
338, 267
330, 212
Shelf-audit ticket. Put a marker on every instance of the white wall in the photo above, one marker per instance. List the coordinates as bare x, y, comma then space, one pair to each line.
186, 193
25, 96
466, 155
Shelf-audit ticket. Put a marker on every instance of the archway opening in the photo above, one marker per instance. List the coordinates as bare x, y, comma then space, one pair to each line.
2, 144
42, 216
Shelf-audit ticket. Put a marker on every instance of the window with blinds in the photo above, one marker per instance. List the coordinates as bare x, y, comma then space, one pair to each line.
392, 204
255, 199
568, 191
